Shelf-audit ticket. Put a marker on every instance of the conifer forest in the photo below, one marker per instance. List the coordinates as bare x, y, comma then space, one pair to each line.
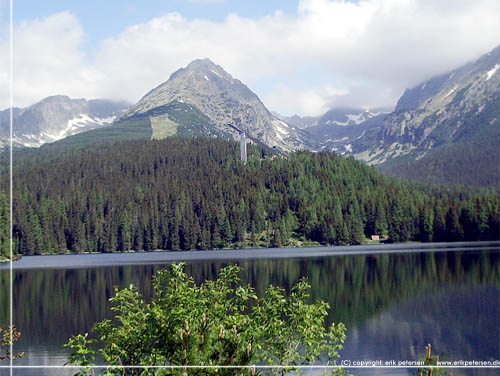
187, 194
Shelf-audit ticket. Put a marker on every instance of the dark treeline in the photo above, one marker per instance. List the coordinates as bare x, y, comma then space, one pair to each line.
183, 194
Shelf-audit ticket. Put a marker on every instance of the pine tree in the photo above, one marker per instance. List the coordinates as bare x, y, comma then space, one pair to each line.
4, 226
124, 233
276, 239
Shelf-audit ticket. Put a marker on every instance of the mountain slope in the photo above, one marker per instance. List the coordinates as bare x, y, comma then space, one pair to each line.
445, 130
466, 163
459, 106
57, 117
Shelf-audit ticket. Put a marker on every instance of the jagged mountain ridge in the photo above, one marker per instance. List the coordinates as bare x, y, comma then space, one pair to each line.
224, 100
338, 128
458, 106
302, 122
57, 117
345, 117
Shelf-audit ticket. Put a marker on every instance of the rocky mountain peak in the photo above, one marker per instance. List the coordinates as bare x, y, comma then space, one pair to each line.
195, 84
203, 64
55, 104
55, 99
225, 100
200, 67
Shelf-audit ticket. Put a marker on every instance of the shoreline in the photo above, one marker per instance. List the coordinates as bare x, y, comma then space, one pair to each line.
93, 260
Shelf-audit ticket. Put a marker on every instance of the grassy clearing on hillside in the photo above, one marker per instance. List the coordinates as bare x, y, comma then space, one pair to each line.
162, 127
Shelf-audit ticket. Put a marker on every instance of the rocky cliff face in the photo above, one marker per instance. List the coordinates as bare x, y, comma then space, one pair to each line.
450, 108
226, 101
55, 118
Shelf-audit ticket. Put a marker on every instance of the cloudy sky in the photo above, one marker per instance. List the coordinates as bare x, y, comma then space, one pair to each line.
299, 57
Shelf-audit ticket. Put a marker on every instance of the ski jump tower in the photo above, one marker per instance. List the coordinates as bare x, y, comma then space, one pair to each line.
243, 147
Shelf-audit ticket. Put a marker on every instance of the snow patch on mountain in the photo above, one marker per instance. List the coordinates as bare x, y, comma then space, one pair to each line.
106, 120
280, 126
492, 71
214, 72
449, 93
336, 122
77, 122
357, 118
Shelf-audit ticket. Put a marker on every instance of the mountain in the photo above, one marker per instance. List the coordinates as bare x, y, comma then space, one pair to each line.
203, 99
55, 118
444, 130
459, 106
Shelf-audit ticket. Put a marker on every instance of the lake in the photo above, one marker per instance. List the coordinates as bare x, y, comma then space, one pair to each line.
393, 299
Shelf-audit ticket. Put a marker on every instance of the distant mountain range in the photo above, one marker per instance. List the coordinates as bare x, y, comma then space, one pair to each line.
338, 128
439, 128
302, 122
57, 117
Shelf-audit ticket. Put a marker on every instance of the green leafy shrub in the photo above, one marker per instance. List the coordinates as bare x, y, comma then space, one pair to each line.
218, 323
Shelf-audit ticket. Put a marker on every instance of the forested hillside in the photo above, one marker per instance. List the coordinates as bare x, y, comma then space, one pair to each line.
474, 163
183, 194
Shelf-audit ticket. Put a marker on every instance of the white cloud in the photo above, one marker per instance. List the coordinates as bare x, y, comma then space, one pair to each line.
376, 47
5, 56
311, 101
48, 60
147, 54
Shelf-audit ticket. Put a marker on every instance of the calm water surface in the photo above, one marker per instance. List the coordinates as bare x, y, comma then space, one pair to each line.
392, 304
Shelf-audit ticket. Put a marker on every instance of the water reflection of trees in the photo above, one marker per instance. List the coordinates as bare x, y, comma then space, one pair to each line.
51, 305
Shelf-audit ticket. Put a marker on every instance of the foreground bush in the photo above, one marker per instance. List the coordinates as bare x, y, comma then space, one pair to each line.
218, 323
